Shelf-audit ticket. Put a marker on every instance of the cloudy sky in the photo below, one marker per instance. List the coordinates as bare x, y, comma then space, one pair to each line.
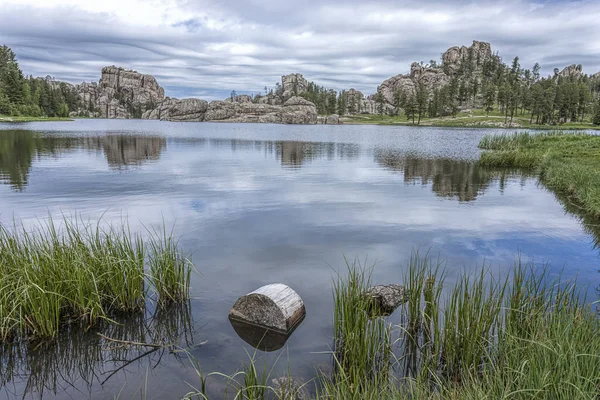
207, 48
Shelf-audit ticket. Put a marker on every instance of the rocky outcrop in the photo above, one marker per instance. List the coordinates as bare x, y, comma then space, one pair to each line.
298, 111
293, 85
332, 119
432, 78
170, 109
242, 112
465, 62
295, 111
120, 94
240, 98
456, 59
572, 71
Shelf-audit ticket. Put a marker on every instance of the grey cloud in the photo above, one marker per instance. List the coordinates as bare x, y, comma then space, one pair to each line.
216, 46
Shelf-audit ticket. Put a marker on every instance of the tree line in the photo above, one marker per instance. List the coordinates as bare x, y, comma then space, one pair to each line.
511, 90
29, 96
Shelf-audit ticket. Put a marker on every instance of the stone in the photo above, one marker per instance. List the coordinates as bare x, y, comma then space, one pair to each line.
220, 110
120, 94
240, 98
293, 85
297, 110
171, 109
454, 58
387, 297
572, 71
332, 119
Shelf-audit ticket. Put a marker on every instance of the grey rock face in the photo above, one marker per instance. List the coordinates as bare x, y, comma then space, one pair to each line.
332, 119
220, 110
240, 98
298, 111
432, 78
453, 61
455, 57
120, 93
293, 85
295, 111
572, 71
170, 109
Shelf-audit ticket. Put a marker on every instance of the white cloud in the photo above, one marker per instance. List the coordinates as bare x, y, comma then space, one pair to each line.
209, 47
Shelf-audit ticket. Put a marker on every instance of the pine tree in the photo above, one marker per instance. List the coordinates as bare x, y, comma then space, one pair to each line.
341, 103
422, 100
596, 117
411, 108
489, 99
379, 102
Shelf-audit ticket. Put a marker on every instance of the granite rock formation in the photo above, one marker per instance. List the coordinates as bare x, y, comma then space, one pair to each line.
293, 85
572, 71
298, 111
170, 109
120, 93
455, 61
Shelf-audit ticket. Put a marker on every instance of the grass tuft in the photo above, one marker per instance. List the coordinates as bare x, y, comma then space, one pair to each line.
80, 273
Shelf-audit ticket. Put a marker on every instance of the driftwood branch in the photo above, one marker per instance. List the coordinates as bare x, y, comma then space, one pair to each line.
132, 343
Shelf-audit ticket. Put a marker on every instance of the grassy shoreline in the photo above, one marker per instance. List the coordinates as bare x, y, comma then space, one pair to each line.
53, 276
33, 119
477, 120
567, 163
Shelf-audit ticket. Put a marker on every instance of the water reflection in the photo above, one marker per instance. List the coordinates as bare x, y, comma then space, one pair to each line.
77, 360
262, 338
19, 148
122, 151
463, 180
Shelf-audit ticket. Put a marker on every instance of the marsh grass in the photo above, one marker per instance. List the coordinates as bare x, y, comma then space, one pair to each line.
524, 335
170, 270
79, 272
566, 163
362, 349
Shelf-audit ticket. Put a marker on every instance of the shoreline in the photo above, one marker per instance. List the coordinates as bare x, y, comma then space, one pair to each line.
463, 123
35, 119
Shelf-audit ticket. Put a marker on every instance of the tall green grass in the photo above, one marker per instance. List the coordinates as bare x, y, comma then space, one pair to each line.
81, 273
362, 348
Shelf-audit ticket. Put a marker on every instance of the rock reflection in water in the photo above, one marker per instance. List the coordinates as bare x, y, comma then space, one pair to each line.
77, 360
18, 149
122, 151
262, 338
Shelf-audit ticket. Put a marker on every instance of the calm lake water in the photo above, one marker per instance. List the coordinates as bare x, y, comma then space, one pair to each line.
258, 204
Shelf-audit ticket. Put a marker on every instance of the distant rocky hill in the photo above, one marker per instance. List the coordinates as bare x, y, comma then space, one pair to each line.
126, 94
122, 93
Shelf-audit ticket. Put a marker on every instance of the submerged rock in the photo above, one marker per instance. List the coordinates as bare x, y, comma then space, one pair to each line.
387, 297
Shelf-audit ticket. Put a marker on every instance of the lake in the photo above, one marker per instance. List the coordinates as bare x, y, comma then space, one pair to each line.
258, 204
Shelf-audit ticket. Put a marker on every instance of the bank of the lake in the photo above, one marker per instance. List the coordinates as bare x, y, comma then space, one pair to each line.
5, 118
474, 119
568, 163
